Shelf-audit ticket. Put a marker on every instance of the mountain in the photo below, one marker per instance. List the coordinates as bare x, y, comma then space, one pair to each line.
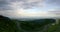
10, 25
7, 25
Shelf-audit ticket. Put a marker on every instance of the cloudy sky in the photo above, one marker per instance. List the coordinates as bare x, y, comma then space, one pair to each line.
29, 8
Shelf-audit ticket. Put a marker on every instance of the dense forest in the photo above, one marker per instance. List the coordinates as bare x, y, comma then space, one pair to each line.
38, 25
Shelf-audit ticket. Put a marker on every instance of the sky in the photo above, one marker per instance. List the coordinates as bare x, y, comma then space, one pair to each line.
30, 8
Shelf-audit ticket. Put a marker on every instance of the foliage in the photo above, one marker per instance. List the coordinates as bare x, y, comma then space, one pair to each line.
8, 25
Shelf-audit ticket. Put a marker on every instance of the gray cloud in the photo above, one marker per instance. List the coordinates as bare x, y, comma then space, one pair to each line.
10, 7
25, 4
54, 2
4, 5
55, 12
7, 4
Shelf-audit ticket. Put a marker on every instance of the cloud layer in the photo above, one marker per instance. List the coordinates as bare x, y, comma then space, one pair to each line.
24, 8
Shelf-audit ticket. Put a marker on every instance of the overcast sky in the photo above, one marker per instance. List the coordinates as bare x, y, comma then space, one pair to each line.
29, 8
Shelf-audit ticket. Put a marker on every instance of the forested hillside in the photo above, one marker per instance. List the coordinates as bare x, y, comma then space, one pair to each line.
39, 25
7, 25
